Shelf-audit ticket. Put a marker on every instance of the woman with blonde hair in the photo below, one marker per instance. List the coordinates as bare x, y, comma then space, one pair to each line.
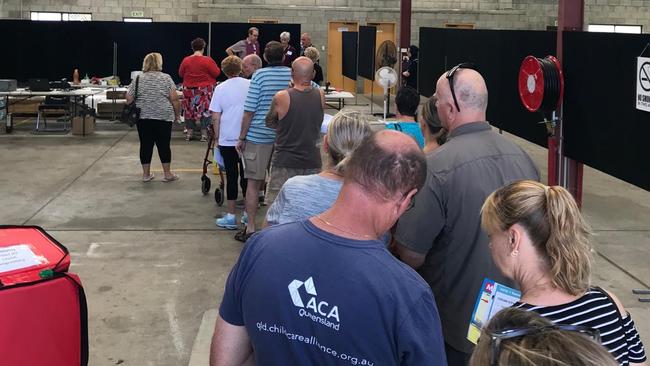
155, 94
539, 239
515, 337
305, 196
313, 54
432, 130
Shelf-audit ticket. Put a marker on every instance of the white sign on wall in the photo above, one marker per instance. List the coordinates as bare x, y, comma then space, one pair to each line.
643, 84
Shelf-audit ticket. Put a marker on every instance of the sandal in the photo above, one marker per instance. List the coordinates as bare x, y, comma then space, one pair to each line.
148, 178
171, 178
243, 236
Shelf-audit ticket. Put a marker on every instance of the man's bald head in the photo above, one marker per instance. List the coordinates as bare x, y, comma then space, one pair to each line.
251, 63
471, 95
387, 164
302, 70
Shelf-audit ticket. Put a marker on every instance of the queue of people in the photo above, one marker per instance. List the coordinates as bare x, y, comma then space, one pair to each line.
319, 284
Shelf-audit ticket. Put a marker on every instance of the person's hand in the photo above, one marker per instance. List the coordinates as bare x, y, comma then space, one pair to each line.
241, 146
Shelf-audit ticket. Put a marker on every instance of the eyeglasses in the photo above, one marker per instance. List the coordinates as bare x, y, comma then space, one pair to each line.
498, 337
450, 78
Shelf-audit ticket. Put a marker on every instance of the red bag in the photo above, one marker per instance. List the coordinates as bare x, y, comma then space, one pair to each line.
43, 314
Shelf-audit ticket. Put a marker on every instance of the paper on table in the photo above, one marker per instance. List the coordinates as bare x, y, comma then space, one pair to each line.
17, 257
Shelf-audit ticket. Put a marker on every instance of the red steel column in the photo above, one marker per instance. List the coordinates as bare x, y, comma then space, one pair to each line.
562, 170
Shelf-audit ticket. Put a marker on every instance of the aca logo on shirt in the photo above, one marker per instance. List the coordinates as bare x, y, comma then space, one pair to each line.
327, 313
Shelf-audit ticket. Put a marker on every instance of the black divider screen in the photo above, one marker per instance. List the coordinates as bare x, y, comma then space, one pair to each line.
498, 55
602, 127
225, 35
54, 49
171, 40
349, 59
367, 45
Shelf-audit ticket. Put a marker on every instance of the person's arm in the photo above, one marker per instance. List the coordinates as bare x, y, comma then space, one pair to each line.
173, 98
418, 227
636, 352
213, 69
278, 110
420, 340
130, 93
216, 122
322, 98
245, 125
412, 258
181, 69
229, 51
230, 346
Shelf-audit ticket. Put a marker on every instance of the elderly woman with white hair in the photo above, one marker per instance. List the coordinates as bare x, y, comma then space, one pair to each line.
290, 52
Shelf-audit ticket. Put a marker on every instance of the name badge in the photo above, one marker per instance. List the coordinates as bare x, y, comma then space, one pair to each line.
289, 53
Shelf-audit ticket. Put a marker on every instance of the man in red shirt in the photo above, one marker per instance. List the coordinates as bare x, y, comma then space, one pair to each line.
199, 75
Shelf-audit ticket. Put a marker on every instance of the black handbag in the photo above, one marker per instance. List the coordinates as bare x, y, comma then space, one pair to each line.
131, 112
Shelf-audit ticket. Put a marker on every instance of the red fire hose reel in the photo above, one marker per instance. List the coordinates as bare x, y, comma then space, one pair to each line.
541, 83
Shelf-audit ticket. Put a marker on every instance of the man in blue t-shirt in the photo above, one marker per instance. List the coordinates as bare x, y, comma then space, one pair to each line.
326, 291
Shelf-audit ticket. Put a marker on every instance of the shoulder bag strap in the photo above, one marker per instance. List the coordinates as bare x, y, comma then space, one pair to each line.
137, 79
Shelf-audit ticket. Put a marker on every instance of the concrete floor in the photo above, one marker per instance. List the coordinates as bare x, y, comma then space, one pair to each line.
154, 265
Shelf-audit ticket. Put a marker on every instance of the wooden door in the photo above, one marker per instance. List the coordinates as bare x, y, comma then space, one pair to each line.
385, 31
335, 55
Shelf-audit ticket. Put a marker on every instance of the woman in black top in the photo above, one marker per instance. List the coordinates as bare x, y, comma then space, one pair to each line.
411, 72
313, 54
539, 239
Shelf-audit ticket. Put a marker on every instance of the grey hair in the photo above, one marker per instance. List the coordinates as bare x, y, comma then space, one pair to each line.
346, 131
312, 53
285, 36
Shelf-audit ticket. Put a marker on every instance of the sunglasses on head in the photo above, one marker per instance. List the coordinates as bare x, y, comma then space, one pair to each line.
498, 337
450, 78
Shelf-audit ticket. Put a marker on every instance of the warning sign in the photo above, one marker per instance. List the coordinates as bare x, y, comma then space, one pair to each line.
643, 84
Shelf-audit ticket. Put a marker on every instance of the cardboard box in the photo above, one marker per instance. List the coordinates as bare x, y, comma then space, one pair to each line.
83, 126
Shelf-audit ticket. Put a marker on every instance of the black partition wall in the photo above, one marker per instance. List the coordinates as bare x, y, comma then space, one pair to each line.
367, 46
53, 50
603, 128
498, 55
350, 52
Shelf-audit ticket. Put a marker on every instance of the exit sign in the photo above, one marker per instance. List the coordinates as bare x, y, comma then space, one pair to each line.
137, 14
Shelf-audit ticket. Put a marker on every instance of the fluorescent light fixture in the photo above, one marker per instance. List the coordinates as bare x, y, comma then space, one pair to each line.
137, 20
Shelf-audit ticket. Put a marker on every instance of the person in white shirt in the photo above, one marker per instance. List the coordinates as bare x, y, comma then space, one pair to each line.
227, 107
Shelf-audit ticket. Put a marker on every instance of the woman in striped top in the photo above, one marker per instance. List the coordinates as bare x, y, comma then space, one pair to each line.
539, 239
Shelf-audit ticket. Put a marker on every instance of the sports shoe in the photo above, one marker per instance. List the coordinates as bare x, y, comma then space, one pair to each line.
244, 218
227, 221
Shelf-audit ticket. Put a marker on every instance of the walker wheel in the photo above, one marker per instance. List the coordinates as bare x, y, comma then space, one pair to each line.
218, 196
205, 184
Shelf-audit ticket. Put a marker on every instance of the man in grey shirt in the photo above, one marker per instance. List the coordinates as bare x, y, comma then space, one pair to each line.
442, 236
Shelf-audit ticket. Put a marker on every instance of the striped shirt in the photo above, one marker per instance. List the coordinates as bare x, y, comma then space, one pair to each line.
264, 84
153, 95
597, 310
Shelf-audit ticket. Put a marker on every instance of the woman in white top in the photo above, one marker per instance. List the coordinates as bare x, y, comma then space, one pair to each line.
159, 107
305, 196
227, 107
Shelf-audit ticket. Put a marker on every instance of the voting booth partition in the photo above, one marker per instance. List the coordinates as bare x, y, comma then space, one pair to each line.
602, 127
52, 50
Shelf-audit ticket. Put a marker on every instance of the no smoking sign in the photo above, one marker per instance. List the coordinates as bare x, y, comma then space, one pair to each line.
643, 84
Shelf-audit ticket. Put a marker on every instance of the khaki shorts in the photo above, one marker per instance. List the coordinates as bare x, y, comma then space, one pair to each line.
256, 160
279, 175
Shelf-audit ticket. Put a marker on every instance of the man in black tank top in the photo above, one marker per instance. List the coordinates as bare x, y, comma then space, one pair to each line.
296, 114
